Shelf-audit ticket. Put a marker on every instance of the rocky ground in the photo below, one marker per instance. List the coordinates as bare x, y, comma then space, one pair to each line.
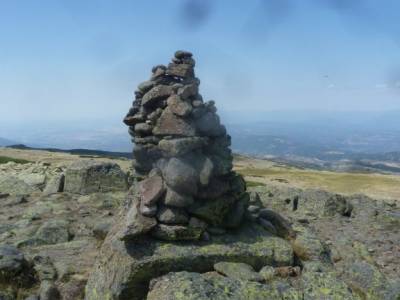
55, 214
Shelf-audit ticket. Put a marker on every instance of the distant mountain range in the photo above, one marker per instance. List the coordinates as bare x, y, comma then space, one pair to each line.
6, 142
351, 141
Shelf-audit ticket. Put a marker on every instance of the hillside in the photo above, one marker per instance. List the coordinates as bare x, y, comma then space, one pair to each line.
263, 171
375, 185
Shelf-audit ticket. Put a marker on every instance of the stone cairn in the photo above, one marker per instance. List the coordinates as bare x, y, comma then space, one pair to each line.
188, 189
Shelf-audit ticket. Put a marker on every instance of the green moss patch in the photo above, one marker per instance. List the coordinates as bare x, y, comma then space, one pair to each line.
6, 159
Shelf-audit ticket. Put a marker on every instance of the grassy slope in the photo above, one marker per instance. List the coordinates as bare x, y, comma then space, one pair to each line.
258, 171
372, 184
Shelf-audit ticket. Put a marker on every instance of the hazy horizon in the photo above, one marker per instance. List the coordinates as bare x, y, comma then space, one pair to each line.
73, 61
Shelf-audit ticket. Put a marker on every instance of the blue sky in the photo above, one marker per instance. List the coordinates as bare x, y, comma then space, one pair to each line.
72, 60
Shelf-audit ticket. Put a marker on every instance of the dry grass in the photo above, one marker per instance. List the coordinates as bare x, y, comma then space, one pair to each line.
259, 172
372, 184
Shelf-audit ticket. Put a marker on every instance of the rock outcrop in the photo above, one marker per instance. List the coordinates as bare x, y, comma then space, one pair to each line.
124, 269
89, 176
182, 155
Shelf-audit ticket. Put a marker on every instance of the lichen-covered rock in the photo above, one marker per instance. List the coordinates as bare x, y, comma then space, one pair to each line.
12, 263
214, 210
325, 285
15, 186
308, 246
53, 232
238, 271
338, 204
369, 283
281, 225
124, 269
87, 176
267, 273
55, 185
173, 232
195, 286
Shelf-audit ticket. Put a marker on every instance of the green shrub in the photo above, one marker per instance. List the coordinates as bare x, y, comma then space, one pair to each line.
6, 159
254, 183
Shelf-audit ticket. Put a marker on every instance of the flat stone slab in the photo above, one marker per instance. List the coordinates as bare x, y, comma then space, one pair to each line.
124, 269
195, 286
238, 271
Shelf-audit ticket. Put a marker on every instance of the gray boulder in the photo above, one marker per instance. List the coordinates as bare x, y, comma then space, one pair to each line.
188, 91
146, 86
178, 106
214, 210
181, 146
55, 185
181, 176
176, 233
209, 125
171, 124
170, 215
48, 291
89, 176
143, 128
151, 190
238, 271
15, 186
282, 226
180, 70
135, 224
369, 283
175, 199
52, 232
156, 94
12, 263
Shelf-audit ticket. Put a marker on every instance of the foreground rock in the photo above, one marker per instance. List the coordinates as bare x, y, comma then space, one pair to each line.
353, 234
195, 286
124, 269
14, 268
239, 271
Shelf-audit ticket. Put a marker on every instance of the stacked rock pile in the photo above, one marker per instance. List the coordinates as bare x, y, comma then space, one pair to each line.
182, 151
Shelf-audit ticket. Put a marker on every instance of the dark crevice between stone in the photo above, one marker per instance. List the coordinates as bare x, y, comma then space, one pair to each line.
295, 203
